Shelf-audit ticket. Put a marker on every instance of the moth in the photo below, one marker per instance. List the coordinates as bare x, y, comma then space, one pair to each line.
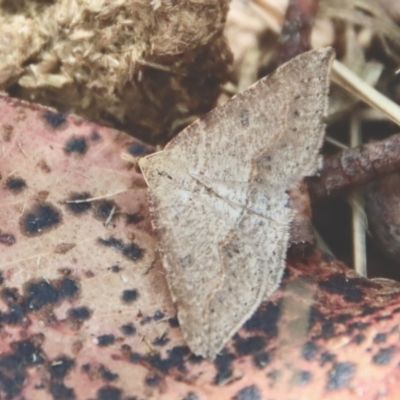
218, 197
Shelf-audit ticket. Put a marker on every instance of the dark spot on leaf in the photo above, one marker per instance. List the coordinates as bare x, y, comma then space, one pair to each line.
326, 357
61, 392
68, 287
95, 136
15, 184
129, 295
261, 360
340, 375
302, 377
359, 338
80, 313
383, 356
161, 340
265, 319
105, 340
54, 119
173, 322
223, 364
248, 393
109, 393
7, 239
249, 345
115, 268
40, 219
153, 380
128, 329
191, 396
108, 375
28, 352
137, 149
75, 203
176, 359
145, 320
309, 351
347, 287
76, 144
380, 338
133, 218
158, 315
60, 367
131, 250
38, 294
104, 208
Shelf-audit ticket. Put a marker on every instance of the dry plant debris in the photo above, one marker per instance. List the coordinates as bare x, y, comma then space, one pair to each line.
143, 66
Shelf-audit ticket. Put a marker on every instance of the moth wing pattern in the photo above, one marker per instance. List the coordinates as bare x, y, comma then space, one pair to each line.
218, 197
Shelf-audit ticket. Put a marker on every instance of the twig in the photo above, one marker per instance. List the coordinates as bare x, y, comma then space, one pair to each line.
355, 166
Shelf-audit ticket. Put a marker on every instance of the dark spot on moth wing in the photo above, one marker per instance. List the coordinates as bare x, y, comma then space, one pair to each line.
340, 375
40, 219
76, 144
105, 340
109, 393
7, 239
54, 119
248, 393
245, 118
15, 184
60, 367
75, 202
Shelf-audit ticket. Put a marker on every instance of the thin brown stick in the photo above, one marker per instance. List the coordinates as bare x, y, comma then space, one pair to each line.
355, 166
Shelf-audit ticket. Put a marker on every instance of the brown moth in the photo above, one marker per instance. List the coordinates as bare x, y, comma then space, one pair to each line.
218, 197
